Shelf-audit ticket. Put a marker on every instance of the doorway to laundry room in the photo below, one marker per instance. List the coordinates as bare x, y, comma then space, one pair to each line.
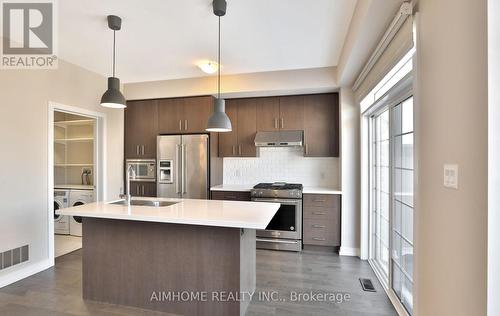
75, 171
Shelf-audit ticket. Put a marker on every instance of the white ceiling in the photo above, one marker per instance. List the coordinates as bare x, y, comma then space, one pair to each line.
163, 39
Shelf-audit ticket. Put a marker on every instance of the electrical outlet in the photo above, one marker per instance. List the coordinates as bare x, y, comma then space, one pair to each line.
87, 171
450, 176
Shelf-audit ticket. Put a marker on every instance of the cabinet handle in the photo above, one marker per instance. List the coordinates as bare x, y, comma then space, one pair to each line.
282, 123
319, 213
321, 201
319, 226
185, 125
307, 150
137, 149
180, 125
137, 190
239, 150
319, 239
142, 149
234, 151
143, 190
275, 123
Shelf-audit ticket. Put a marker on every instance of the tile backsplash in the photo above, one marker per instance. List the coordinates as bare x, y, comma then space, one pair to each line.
282, 164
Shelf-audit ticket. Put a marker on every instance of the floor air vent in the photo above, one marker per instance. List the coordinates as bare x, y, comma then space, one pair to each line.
367, 285
14, 256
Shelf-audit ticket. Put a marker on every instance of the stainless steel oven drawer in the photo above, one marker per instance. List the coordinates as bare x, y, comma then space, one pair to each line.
279, 244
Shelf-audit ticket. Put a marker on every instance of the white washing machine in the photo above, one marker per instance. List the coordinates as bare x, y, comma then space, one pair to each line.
61, 222
76, 198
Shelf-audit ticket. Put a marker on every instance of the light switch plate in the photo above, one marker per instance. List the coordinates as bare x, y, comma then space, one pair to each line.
450, 176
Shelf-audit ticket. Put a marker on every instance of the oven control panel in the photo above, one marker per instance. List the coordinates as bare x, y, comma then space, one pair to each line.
286, 194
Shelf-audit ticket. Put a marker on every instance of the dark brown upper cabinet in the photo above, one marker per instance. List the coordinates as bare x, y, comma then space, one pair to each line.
321, 125
240, 142
228, 141
141, 129
268, 113
280, 113
247, 127
170, 115
184, 115
292, 113
197, 110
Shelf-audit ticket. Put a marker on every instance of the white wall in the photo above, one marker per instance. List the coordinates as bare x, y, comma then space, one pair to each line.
282, 164
24, 98
350, 173
451, 127
493, 157
300, 81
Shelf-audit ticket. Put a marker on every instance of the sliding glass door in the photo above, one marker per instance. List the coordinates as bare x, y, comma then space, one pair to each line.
402, 201
391, 198
380, 192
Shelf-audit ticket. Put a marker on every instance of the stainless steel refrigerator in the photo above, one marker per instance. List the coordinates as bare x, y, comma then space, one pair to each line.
183, 166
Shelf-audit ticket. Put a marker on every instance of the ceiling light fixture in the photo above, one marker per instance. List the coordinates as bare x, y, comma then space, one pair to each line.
219, 121
113, 98
208, 67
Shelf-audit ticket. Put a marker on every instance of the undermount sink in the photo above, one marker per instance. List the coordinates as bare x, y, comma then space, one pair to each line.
145, 203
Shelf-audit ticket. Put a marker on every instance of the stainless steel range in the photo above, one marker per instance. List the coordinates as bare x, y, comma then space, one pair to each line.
284, 232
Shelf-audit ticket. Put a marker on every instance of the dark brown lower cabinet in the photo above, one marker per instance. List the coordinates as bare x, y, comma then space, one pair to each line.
321, 224
143, 189
231, 195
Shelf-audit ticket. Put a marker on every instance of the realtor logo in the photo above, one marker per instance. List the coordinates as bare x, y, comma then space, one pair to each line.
28, 35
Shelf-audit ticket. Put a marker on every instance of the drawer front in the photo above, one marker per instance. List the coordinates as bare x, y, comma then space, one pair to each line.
321, 200
320, 213
321, 232
231, 195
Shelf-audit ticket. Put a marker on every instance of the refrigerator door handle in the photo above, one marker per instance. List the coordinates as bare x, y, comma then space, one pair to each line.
177, 179
184, 169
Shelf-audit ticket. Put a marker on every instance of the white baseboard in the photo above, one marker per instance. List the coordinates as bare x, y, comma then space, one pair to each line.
24, 272
348, 251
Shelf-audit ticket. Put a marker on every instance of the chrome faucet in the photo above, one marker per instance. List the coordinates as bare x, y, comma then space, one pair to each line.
130, 174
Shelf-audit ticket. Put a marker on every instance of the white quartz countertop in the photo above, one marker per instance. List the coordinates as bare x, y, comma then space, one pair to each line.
248, 187
320, 190
233, 187
235, 214
73, 187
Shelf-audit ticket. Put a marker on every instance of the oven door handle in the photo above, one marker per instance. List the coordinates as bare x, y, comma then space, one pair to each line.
282, 201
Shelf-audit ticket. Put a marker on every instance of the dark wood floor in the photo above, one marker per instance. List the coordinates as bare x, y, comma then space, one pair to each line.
57, 291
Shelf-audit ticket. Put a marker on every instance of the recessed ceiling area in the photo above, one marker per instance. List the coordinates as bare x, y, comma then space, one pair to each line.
165, 39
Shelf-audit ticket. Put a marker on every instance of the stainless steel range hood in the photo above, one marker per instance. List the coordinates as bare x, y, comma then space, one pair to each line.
279, 139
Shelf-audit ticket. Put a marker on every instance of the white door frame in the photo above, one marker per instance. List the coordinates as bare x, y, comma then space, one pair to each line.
99, 158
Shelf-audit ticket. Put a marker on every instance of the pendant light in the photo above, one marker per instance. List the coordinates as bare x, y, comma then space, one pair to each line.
219, 121
113, 98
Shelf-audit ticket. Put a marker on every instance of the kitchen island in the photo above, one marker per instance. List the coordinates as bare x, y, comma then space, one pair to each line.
187, 257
